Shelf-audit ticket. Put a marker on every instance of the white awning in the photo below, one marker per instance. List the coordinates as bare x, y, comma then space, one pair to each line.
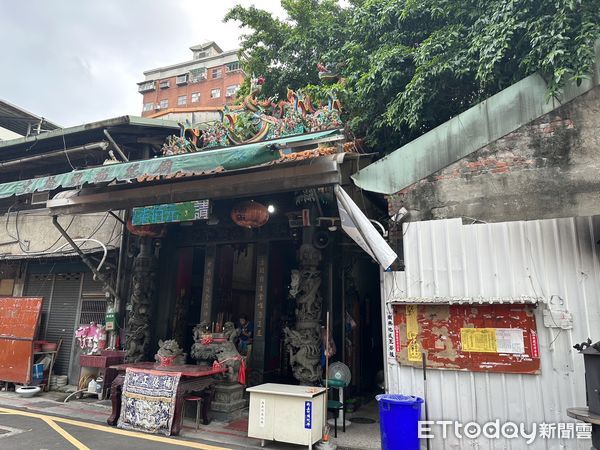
361, 230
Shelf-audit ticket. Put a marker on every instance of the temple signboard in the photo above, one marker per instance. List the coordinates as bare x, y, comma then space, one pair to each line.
171, 212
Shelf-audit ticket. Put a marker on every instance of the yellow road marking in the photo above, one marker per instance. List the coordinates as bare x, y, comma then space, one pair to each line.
107, 429
78, 445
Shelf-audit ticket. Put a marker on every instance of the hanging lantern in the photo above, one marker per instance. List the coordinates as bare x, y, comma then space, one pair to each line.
153, 231
250, 214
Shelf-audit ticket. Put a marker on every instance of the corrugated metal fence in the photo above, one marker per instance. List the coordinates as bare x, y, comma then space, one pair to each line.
554, 259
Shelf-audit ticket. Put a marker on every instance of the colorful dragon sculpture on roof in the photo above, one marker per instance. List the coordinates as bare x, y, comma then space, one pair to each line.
257, 120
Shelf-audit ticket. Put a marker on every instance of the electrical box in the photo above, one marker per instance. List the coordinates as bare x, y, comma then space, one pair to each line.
287, 413
111, 321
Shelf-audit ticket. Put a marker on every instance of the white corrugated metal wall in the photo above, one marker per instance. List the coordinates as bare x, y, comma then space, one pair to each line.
552, 259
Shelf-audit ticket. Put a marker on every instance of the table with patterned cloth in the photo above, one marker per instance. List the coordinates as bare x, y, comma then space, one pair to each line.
147, 397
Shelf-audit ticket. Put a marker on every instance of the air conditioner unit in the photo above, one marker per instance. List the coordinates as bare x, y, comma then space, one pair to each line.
39, 198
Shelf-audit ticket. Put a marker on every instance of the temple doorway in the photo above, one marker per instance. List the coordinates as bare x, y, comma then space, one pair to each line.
234, 283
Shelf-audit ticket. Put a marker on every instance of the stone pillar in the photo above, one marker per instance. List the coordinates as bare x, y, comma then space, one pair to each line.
304, 341
137, 334
208, 284
260, 313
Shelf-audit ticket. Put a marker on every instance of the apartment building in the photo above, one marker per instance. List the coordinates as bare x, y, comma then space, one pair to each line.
196, 89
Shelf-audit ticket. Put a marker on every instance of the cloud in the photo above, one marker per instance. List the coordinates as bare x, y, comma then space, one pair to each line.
75, 61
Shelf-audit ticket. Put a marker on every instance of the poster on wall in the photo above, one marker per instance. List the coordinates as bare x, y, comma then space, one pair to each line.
481, 338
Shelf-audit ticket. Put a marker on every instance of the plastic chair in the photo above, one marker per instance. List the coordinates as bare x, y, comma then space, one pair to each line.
337, 405
198, 400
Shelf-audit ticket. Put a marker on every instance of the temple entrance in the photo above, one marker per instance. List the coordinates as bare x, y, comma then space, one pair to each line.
222, 272
234, 284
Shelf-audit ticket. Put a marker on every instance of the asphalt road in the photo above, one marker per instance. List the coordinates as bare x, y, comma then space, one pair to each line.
21, 430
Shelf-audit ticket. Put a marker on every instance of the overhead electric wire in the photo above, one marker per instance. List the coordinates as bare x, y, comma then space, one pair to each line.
18, 239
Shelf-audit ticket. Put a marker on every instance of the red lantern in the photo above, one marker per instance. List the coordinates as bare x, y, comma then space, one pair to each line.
153, 231
250, 214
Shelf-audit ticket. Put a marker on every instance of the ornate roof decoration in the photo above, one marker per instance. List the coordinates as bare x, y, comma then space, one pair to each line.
257, 120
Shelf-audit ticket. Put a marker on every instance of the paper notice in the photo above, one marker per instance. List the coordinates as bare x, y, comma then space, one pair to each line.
412, 331
478, 340
510, 340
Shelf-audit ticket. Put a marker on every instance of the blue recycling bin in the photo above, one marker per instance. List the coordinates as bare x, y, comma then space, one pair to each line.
38, 374
398, 421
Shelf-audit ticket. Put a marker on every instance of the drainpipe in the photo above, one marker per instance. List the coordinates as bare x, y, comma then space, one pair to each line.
121, 262
88, 262
103, 145
116, 146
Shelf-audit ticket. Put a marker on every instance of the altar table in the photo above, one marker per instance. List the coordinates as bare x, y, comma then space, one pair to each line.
193, 379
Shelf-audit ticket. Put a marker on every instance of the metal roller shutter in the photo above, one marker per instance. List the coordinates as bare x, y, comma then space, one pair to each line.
63, 317
40, 285
71, 299
61, 293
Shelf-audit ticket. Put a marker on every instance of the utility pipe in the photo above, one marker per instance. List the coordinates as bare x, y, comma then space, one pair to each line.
88, 262
116, 146
103, 145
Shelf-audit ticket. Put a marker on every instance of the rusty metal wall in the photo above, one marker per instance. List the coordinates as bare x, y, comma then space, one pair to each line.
557, 260
19, 319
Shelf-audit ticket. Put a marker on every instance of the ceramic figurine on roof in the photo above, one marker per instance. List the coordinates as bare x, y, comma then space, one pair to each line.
256, 120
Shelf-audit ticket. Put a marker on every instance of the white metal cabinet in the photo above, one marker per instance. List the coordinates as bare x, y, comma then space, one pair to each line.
287, 413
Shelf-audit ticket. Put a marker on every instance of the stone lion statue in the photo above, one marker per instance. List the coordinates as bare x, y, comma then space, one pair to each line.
170, 349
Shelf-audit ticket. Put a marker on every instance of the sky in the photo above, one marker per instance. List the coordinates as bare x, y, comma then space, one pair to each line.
78, 61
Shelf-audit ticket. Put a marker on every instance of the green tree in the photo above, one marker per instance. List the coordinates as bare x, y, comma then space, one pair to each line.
410, 65
287, 52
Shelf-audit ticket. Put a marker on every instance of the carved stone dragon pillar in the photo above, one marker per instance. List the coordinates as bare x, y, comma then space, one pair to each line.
304, 341
137, 336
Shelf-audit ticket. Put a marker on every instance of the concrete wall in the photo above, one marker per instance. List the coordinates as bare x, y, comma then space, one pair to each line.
546, 169
37, 233
193, 117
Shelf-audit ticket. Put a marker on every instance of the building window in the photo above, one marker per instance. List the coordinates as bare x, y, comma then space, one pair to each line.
195, 97
148, 107
233, 66
215, 93
181, 79
164, 104
146, 86
232, 90
217, 73
164, 84
197, 75
182, 100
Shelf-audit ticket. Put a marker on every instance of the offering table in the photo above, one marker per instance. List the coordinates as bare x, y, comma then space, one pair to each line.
193, 379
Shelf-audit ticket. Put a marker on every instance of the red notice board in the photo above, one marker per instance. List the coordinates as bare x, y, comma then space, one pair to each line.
480, 338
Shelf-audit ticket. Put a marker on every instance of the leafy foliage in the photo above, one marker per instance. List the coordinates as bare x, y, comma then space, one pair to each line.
409, 65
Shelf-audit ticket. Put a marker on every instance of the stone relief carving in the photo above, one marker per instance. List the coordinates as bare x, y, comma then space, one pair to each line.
137, 335
303, 342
